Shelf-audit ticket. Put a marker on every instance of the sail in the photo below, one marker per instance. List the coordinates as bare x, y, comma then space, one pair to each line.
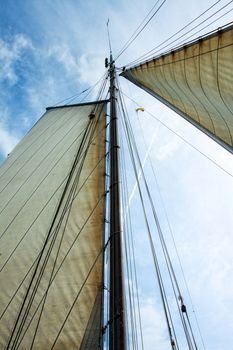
196, 81
51, 232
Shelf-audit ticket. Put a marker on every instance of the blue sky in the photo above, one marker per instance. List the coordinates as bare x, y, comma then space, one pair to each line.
50, 50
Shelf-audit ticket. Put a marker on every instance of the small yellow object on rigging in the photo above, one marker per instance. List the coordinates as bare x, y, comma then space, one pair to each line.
140, 109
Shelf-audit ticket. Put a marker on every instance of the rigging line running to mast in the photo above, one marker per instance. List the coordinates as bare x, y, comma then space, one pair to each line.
173, 239
166, 308
149, 53
181, 137
129, 297
182, 309
128, 238
74, 96
72, 195
61, 184
31, 298
171, 232
136, 34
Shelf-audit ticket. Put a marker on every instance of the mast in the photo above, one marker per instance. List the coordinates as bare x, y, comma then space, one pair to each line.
116, 322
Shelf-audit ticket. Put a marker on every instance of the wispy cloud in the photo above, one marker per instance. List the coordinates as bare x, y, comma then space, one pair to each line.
7, 141
168, 149
11, 52
62, 54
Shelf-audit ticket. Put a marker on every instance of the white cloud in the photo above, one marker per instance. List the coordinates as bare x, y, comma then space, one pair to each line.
7, 141
63, 55
10, 52
168, 149
91, 66
154, 328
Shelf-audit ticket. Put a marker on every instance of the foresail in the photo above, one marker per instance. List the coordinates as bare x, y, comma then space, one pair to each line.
51, 226
197, 82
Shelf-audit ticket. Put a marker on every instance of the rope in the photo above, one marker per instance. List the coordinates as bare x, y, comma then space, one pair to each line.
158, 48
129, 245
181, 137
189, 336
166, 308
41, 270
171, 233
91, 127
136, 34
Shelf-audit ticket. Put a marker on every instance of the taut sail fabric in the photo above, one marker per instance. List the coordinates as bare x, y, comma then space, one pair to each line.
197, 82
51, 232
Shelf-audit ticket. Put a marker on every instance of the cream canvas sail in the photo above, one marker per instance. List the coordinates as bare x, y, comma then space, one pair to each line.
196, 81
51, 225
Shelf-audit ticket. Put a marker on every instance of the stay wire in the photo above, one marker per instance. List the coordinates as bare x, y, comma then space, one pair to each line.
128, 252
45, 244
50, 125
53, 232
144, 56
89, 89
41, 270
163, 244
171, 329
5, 230
62, 182
76, 298
172, 235
71, 194
128, 234
181, 137
84, 183
30, 174
70, 200
186, 40
166, 308
59, 223
129, 285
18, 331
134, 37
158, 48
56, 127
63, 260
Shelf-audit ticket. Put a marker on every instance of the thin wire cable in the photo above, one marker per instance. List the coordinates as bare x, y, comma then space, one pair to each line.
76, 159
139, 26
163, 244
128, 255
57, 230
129, 237
172, 236
70, 199
181, 137
158, 48
89, 89
40, 270
134, 36
62, 183
13, 340
166, 307
173, 35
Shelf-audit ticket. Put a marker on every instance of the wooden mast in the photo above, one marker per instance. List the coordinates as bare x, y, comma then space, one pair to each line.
116, 322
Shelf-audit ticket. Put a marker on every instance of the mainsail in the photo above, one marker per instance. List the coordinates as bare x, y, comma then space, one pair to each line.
196, 81
51, 223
